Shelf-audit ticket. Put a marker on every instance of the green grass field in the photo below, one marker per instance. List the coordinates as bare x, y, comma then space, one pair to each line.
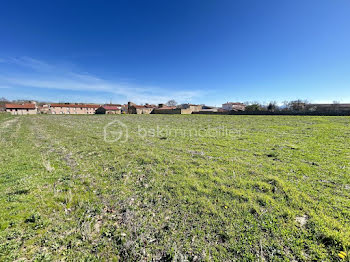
269, 188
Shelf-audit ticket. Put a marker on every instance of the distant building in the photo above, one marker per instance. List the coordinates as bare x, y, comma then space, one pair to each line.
22, 109
164, 107
328, 107
44, 109
138, 109
170, 110
124, 109
109, 109
209, 109
235, 106
72, 109
194, 108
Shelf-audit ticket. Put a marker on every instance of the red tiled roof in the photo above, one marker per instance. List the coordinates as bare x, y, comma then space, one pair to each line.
109, 107
20, 106
75, 105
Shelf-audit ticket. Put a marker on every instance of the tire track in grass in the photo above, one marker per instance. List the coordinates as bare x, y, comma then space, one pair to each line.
60, 185
88, 223
6, 127
21, 175
8, 123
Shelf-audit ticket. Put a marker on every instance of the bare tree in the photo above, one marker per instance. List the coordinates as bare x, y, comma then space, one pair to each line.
297, 105
171, 102
3, 101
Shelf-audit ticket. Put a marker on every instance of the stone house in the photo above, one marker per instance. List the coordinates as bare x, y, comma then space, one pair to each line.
137, 109
22, 109
235, 106
74, 109
164, 109
163, 106
109, 109
192, 107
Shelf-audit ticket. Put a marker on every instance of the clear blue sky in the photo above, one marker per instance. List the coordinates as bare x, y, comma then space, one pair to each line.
193, 51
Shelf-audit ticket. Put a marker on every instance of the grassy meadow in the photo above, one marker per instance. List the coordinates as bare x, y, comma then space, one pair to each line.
174, 188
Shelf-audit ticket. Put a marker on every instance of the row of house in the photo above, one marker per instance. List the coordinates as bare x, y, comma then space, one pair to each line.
131, 108
61, 109
77, 109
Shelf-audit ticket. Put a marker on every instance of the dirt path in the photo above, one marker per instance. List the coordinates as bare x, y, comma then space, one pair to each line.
6, 124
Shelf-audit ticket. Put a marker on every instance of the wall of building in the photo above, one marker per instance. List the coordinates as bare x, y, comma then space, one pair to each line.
72, 110
172, 111
44, 110
195, 108
144, 111
113, 112
229, 106
166, 111
22, 111
187, 111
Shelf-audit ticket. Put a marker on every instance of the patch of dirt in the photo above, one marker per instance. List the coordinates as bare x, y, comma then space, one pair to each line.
200, 153
327, 182
47, 165
302, 220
